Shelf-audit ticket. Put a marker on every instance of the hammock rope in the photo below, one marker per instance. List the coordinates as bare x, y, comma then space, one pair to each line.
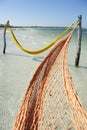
50, 101
40, 50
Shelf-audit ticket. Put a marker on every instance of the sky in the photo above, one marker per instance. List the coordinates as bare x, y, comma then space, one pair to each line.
43, 12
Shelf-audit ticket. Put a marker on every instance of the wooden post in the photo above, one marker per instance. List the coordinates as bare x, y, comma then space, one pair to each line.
79, 42
4, 40
5, 36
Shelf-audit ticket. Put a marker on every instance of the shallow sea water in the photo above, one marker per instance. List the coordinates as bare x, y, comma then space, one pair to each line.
17, 68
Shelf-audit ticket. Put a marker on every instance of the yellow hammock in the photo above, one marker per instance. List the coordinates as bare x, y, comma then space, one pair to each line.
43, 49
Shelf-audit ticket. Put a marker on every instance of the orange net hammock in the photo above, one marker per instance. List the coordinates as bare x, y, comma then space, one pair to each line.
51, 102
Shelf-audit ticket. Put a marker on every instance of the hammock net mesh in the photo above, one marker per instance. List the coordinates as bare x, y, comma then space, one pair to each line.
51, 102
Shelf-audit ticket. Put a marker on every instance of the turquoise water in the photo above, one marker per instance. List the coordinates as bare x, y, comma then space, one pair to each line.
17, 68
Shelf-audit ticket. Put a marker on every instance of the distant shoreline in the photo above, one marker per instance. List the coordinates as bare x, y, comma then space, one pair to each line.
2, 26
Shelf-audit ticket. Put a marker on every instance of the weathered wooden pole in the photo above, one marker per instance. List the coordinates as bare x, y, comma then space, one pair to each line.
5, 27
4, 39
79, 41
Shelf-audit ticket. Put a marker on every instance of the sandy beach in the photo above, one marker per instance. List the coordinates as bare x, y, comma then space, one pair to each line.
17, 68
